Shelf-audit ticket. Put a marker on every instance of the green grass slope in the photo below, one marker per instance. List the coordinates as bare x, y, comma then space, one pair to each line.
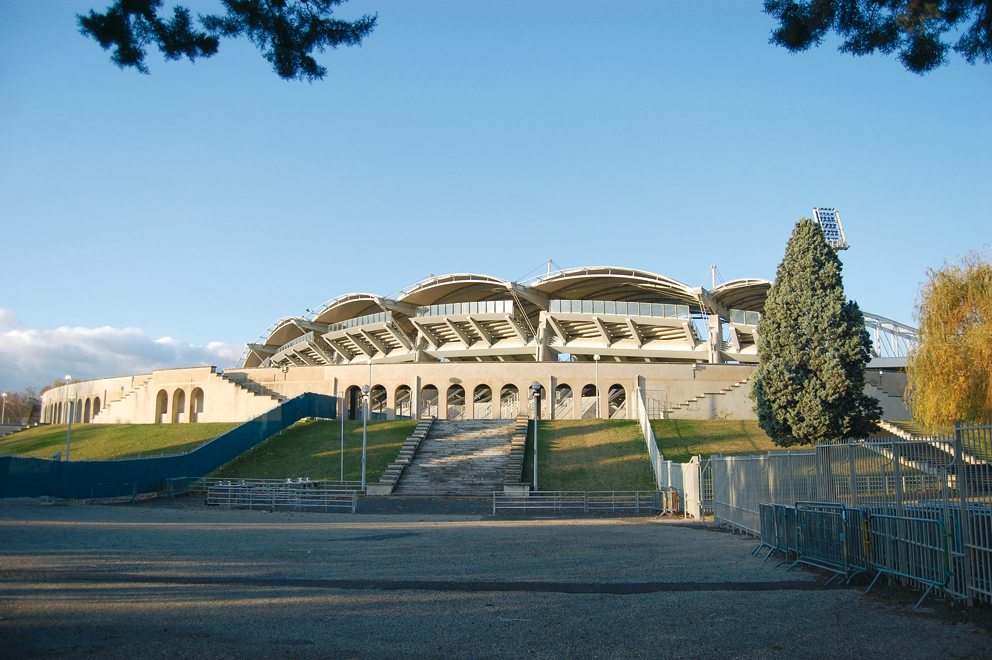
101, 441
590, 455
681, 439
313, 449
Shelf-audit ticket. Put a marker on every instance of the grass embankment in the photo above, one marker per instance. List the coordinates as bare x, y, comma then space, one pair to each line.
681, 439
589, 455
313, 449
102, 441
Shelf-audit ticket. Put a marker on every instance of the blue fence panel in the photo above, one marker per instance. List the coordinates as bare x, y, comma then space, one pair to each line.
37, 477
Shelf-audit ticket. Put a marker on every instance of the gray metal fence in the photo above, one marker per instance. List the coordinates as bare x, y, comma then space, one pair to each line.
296, 496
557, 501
947, 479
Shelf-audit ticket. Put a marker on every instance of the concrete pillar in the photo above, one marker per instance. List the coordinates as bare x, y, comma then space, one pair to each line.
417, 411
470, 400
551, 397
390, 403
715, 338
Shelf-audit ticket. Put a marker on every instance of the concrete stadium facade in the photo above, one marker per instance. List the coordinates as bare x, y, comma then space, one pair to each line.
469, 346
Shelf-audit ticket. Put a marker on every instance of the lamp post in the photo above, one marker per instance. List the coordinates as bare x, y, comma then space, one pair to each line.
365, 426
342, 441
65, 404
370, 382
68, 434
596, 359
536, 387
3, 415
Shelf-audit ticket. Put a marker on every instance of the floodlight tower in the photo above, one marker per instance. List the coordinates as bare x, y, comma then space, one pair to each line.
833, 230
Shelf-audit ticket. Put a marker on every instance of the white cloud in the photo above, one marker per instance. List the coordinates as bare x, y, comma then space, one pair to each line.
8, 321
34, 358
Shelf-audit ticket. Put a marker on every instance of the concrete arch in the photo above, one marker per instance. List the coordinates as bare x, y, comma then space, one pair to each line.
179, 406
96, 406
86, 411
482, 403
195, 405
589, 396
429, 401
161, 407
455, 402
617, 402
353, 402
78, 412
377, 402
403, 402
509, 401
564, 402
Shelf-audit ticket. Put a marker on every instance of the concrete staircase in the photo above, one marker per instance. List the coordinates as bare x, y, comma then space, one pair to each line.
513, 476
251, 386
395, 469
110, 407
459, 459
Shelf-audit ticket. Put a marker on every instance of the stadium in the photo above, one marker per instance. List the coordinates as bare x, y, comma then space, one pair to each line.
469, 346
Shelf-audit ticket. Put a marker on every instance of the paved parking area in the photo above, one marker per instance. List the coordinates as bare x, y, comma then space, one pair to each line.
180, 580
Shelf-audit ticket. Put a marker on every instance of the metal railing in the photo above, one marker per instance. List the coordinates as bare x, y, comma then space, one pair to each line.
585, 501
202, 484
297, 497
822, 533
935, 480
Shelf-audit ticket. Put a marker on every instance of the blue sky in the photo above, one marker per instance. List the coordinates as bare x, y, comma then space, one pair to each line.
194, 206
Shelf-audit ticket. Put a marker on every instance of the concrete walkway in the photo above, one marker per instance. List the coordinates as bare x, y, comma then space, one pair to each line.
179, 580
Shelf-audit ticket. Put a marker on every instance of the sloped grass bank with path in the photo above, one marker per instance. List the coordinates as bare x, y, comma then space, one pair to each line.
103, 441
313, 449
589, 455
681, 439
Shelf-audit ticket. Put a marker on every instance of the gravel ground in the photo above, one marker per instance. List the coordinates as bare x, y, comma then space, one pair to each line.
176, 579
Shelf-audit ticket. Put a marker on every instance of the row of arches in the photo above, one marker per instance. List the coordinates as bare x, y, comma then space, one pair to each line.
81, 412
484, 403
176, 411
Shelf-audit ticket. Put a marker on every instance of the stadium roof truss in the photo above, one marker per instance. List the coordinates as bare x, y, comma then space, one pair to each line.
620, 314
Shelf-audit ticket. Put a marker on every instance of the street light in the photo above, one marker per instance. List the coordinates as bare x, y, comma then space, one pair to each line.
65, 404
68, 434
596, 359
536, 387
365, 426
3, 415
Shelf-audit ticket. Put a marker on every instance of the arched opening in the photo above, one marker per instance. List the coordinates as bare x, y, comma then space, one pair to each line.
86, 411
404, 402
96, 406
78, 413
456, 402
563, 402
178, 406
589, 402
377, 402
544, 403
618, 402
353, 397
161, 407
509, 402
428, 401
195, 405
482, 399
58, 413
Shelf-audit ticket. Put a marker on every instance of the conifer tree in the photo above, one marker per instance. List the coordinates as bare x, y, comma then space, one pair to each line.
812, 350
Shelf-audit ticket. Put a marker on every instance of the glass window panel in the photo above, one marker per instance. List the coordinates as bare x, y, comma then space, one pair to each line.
736, 316
473, 308
670, 312
752, 318
645, 309
598, 307
490, 307
683, 311
587, 307
508, 306
500, 307
611, 307
658, 310
555, 306
622, 307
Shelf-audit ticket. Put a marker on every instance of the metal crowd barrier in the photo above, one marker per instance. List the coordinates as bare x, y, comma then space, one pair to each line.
243, 496
778, 530
822, 534
585, 501
202, 484
913, 548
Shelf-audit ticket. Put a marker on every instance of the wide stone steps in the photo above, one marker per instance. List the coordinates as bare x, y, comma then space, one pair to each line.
459, 459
